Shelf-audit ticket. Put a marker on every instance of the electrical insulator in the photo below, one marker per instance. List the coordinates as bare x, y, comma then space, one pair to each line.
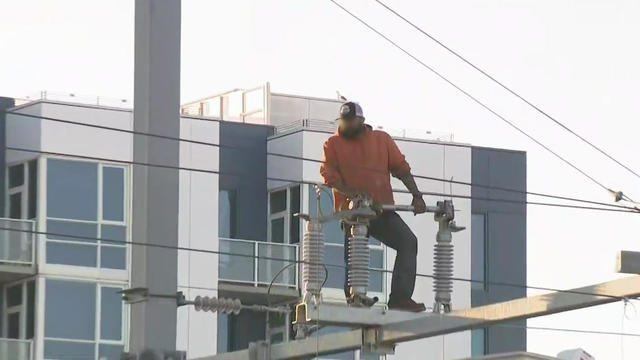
313, 273
358, 260
222, 305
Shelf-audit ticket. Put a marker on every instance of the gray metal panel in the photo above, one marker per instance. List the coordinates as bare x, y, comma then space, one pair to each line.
243, 167
5, 103
506, 231
155, 190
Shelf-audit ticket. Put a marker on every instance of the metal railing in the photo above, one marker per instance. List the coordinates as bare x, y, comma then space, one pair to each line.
17, 245
312, 124
242, 105
250, 265
76, 98
16, 349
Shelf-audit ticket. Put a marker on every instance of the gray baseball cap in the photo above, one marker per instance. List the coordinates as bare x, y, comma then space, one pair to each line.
350, 110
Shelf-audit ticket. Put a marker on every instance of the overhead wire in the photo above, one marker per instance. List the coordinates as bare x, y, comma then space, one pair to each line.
505, 87
132, 162
473, 98
294, 157
284, 260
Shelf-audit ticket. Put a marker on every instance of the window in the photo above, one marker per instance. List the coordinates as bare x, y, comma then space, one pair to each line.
18, 310
85, 201
227, 214
334, 246
478, 342
89, 327
479, 252
22, 188
284, 227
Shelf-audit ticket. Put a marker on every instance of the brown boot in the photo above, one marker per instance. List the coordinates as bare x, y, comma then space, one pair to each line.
406, 305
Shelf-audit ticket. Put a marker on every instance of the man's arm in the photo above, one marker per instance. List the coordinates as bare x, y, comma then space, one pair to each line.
400, 169
418, 203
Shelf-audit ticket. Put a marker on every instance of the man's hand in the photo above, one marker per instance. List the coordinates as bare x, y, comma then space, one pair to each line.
419, 206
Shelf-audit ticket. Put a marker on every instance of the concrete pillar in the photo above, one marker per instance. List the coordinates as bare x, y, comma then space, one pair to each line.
155, 190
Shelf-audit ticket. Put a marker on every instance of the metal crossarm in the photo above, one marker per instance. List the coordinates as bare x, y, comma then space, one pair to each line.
427, 325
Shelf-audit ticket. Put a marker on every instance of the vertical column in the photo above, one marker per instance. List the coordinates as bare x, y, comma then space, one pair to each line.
5, 103
155, 189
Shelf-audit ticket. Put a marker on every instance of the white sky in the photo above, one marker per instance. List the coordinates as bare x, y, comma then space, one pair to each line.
576, 59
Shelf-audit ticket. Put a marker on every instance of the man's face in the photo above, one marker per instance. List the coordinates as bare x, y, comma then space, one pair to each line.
350, 127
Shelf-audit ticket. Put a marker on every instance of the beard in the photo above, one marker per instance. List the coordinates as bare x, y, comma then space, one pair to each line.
351, 133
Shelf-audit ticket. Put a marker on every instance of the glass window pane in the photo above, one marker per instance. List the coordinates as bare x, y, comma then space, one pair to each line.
294, 208
81, 232
57, 350
33, 188
277, 230
72, 189
277, 337
223, 333
478, 251
376, 261
72, 254
334, 255
15, 206
13, 325
16, 175
113, 232
227, 213
238, 268
477, 342
14, 295
110, 314
113, 257
278, 201
332, 229
294, 230
268, 268
368, 356
110, 352
70, 319
113, 193
31, 308
294, 205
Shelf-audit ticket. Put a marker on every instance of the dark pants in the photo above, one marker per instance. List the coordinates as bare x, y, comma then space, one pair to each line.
392, 231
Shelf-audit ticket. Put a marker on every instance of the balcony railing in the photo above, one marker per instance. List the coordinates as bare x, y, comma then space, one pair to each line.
17, 242
256, 264
16, 349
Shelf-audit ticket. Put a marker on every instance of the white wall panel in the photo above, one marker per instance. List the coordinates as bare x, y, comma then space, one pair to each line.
23, 132
281, 167
87, 141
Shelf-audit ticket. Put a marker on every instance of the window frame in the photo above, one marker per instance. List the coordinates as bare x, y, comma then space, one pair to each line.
22, 189
284, 214
97, 340
78, 270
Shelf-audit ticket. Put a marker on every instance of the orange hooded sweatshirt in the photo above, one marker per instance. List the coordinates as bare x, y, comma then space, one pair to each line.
364, 162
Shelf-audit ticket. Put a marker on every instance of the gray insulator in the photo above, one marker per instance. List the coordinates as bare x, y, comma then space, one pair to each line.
313, 273
443, 271
358, 259
226, 306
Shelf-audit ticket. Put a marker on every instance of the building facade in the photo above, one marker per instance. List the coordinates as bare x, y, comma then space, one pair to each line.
65, 229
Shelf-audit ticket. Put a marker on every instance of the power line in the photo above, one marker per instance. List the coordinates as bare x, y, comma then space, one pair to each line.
504, 119
133, 132
129, 162
285, 260
598, 332
537, 108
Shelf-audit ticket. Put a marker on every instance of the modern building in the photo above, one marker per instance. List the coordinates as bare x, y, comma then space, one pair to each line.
66, 222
